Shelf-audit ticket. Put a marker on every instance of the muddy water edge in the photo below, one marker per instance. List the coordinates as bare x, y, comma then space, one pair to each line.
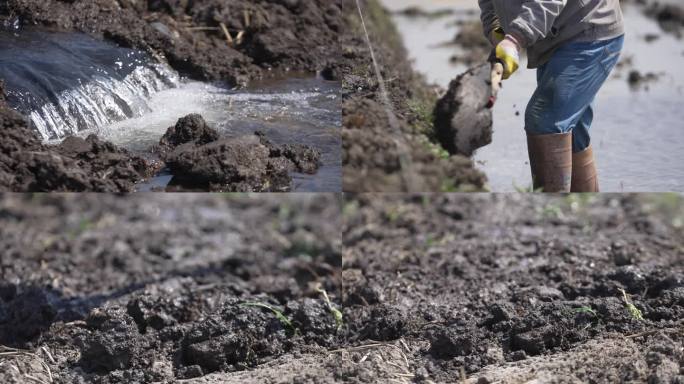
190, 41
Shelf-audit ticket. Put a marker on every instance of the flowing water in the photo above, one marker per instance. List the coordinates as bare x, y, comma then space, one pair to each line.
72, 84
637, 133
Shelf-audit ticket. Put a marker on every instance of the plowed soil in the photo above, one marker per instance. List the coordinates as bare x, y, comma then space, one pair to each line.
141, 289
515, 289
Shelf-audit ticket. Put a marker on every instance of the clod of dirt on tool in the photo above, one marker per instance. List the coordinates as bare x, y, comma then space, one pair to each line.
463, 123
114, 342
189, 129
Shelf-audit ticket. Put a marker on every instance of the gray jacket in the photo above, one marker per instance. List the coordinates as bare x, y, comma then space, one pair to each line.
542, 26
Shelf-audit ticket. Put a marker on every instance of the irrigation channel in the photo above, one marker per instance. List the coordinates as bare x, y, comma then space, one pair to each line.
69, 83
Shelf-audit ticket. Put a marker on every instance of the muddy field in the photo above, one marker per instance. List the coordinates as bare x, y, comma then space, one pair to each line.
509, 289
274, 38
105, 289
396, 151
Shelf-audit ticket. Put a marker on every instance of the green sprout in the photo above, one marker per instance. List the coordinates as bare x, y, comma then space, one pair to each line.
585, 310
279, 315
337, 315
633, 310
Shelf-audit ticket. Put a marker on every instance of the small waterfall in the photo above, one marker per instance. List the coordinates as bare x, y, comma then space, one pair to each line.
69, 82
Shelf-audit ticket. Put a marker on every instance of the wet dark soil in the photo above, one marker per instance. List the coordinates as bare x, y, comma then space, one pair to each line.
198, 157
280, 35
515, 289
107, 289
268, 38
26, 164
380, 155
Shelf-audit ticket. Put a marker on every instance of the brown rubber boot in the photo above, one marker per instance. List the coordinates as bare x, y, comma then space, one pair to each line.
584, 176
551, 161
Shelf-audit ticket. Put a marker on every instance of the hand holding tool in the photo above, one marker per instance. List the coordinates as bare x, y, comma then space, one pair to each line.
508, 53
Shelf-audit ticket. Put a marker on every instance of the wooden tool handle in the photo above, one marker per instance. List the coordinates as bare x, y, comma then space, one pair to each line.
497, 78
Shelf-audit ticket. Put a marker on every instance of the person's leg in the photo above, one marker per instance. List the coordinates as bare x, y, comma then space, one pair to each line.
584, 175
580, 134
567, 85
549, 149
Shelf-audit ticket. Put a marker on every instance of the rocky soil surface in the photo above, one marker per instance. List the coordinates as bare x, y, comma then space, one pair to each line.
199, 158
267, 37
393, 150
508, 289
141, 289
26, 164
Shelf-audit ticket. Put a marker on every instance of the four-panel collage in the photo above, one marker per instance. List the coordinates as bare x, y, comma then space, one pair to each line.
341, 191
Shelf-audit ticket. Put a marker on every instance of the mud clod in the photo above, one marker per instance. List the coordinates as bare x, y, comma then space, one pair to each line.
199, 158
116, 345
314, 320
25, 313
237, 165
386, 323
236, 336
189, 129
462, 121
448, 343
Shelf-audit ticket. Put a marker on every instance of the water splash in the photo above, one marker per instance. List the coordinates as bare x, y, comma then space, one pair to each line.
69, 82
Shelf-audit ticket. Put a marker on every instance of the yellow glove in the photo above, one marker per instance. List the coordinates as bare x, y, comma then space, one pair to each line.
508, 53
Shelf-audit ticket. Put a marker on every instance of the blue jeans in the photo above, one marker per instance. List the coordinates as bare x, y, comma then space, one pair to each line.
566, 88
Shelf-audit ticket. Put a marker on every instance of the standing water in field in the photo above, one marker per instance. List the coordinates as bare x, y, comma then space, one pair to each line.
73, 84
636, 132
